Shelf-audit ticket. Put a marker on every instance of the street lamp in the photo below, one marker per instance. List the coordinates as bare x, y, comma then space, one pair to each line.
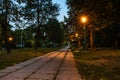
76, 35
78, 39
10, 39
84, 20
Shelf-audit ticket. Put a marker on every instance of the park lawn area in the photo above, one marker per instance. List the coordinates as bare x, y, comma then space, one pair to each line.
19, 55
99, 64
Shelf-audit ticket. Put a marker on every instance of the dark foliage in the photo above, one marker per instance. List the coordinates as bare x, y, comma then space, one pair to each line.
104, 19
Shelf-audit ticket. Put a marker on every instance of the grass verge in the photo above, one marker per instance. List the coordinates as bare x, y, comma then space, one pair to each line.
19, 55
98, 65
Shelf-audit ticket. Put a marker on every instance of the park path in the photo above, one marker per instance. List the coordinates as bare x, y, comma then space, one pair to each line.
57, 65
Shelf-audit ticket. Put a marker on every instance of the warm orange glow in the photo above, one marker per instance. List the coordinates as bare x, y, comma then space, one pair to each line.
76, 34
84, 19
10, 38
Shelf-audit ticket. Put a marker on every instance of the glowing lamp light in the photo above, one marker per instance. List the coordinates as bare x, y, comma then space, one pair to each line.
10, 38
84, 19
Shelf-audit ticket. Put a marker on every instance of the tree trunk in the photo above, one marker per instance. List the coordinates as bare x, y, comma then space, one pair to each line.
6, 28
79, 43
36, 42
6, 38
38, 27
91, 39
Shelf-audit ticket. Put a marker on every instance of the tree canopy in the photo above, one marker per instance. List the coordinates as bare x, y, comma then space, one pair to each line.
23, 13
54, 31
102, 16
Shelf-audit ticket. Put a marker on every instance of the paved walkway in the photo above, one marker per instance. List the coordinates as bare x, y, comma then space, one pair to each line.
57, 65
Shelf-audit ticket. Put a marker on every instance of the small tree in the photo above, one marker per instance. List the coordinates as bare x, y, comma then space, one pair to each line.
54, 32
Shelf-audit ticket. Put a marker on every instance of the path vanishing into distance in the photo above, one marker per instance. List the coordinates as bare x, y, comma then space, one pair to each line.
56, 65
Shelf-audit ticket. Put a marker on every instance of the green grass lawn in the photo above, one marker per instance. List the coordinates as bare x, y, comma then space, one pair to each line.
98, 65
19, 55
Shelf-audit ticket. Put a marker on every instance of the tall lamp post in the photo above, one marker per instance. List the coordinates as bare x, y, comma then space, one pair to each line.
78, 40
9, 43
84, 19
